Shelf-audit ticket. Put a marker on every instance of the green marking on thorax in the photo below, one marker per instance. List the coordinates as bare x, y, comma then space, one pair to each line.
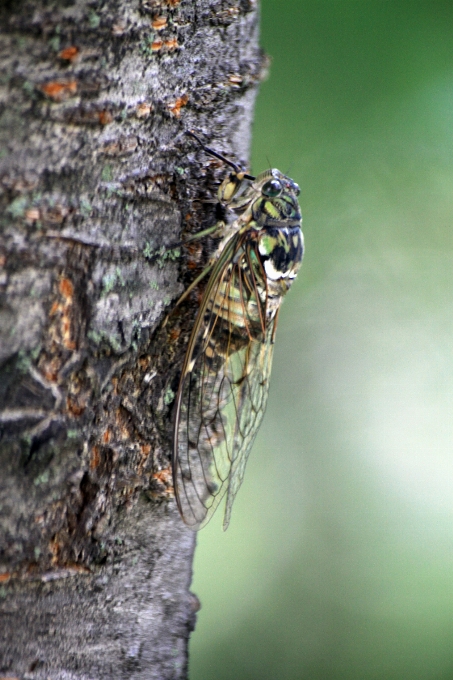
268, 243
283, 241
271, 209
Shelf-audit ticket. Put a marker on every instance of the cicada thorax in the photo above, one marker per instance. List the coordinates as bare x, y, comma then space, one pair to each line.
281, 251
269, 256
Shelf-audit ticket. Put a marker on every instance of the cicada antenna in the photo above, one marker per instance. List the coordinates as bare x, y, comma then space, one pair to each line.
218, 155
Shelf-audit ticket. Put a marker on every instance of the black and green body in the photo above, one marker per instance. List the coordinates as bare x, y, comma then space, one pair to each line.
225, 377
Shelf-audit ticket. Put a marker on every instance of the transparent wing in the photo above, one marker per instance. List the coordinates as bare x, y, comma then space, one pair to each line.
224, 386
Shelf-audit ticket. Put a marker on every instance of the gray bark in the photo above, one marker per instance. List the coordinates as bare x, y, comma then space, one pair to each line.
96, 177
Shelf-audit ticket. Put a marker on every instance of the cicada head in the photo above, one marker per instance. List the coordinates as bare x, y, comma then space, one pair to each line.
276, 201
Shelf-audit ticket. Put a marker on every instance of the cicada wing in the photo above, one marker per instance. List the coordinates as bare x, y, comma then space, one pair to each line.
250, 399
223, 390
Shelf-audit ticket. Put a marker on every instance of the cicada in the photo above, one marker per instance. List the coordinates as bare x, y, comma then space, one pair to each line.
224, 381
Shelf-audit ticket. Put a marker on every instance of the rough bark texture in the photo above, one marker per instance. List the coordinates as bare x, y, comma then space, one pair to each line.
96, 176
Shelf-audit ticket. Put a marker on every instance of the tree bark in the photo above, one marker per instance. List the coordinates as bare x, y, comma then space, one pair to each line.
98, 181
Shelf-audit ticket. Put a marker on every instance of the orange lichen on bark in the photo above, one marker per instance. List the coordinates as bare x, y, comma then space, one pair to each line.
163, 483
122, 424
59, 90
175, 108
55, 547
61, 329
51, 369
174, 335
145, 450
55, 308
95, 458
159, 23
171, 44
66, 328
105, 117
192, 264
75, 407
69, 53
106, 437
67, 341
66, 288
143, 110
194, 253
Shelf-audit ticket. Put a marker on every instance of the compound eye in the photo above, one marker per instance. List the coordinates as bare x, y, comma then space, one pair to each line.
272, 188
296, 188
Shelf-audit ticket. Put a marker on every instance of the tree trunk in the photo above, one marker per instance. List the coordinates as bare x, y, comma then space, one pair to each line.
98, 181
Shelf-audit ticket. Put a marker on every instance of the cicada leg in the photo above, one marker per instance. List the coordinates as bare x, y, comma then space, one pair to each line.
210, 231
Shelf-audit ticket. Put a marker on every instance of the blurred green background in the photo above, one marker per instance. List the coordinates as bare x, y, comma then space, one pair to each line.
338, 562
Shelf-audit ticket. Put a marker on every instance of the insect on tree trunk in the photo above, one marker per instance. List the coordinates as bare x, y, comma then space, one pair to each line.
98, 183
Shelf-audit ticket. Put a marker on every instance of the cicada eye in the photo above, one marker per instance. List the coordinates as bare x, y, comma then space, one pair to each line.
296, 188
272, 188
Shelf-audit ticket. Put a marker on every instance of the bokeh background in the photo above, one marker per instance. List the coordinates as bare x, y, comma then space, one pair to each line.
338, 562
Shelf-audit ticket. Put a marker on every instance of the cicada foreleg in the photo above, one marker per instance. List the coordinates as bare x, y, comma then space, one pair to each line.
230, 190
